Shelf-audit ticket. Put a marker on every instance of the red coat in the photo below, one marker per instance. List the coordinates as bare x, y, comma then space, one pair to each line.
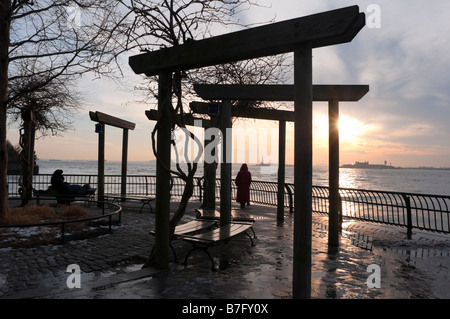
243, 181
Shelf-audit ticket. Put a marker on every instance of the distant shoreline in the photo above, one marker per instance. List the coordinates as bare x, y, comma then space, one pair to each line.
351, 166
428, 168
416, 168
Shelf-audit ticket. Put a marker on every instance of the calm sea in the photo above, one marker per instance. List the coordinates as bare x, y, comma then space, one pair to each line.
425, 181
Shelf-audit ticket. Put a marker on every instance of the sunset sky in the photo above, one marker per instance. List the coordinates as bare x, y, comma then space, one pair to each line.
403, 119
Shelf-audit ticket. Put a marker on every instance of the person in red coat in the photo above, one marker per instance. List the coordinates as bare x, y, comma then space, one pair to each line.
243, 181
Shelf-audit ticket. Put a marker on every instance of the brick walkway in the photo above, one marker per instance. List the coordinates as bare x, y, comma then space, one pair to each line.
111, 264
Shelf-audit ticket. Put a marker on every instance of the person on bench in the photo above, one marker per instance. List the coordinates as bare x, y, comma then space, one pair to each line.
62, 189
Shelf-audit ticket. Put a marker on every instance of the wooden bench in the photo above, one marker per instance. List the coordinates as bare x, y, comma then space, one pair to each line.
145, 200
205, 240
65, 199
192, 227
236, 216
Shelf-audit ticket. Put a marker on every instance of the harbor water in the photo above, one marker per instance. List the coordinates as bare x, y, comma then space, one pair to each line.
408, 180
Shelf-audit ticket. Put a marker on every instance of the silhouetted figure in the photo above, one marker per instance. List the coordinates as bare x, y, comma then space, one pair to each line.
243, 181
57, 182
65, 192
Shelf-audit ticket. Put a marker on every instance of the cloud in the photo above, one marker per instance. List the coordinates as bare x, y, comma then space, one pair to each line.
405, 62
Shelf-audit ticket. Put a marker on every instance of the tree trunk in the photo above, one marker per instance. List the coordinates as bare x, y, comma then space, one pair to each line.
178, 215
5, 23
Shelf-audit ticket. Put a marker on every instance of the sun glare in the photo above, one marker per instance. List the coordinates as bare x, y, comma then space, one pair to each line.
350, 129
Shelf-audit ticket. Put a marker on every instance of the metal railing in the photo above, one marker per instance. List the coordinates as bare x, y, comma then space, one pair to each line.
410, 210
419, 211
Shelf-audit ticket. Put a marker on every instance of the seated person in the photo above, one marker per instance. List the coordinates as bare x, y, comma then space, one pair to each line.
58, 183
60, 187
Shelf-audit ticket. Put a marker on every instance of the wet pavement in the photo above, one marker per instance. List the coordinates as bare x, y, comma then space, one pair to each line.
111, 265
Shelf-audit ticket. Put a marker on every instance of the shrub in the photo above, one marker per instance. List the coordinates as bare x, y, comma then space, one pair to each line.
34, 214
31, 214
74, 212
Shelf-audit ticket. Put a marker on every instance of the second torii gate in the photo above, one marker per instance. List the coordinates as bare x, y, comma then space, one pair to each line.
300, 36
333, 94
105, 119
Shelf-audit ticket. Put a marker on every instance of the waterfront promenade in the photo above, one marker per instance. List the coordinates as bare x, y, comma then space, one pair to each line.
111, 264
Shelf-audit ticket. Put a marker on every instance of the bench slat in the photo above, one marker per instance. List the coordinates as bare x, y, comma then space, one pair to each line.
190, 227
215, 215
193, 226
219, 234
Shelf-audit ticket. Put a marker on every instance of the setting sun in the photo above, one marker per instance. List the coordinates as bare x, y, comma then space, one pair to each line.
350, 129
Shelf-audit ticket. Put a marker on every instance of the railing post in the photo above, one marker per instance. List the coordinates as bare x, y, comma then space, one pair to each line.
291, 206
200, 188
409, 217
409, 225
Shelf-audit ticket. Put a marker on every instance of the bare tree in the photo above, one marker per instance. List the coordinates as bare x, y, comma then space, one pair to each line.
50, 43
45, 109
52, 103
169, 23
5, 23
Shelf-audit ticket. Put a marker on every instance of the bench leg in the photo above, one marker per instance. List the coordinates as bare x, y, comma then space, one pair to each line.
254, 234
146, 202
173, 251
205, 249
88, 200
249, 236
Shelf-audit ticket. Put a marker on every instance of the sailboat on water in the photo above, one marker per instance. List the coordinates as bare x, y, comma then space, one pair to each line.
262, 162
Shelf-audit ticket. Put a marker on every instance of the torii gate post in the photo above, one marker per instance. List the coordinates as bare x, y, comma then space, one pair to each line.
334, 224
281, 169
105, 119
162, 203
303, 158
225, 165
299, 36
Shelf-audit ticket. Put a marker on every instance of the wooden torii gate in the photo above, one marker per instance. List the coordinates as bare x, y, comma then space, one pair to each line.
105, 119
333, 94
300, 36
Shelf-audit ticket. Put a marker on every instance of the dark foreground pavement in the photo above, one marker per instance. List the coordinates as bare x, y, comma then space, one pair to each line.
111, 264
